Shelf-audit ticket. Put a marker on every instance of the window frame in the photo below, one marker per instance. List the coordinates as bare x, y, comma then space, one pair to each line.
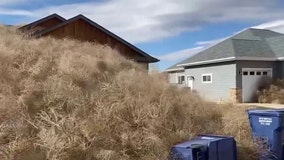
181, 75
207, 74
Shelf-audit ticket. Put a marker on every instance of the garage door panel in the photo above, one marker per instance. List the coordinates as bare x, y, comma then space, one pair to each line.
253, 80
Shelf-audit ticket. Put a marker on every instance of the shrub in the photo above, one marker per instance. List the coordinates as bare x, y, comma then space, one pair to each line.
273, 94
67, 100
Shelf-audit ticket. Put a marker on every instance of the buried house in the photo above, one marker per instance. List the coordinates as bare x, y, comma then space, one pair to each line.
84, 29
234, 69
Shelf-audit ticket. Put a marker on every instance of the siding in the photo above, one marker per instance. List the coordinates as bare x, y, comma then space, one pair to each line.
173, 76
83, 31
281, 69
223, 79
276, 66
144, 65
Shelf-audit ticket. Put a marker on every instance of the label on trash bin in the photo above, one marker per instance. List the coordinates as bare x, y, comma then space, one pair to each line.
265, 121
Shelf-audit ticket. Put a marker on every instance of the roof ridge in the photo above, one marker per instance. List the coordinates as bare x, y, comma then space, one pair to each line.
246, 39
265, 29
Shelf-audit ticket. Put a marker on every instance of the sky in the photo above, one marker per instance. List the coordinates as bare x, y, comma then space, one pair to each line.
171, 30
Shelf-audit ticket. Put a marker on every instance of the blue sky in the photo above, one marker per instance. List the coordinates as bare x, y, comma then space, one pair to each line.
170, 30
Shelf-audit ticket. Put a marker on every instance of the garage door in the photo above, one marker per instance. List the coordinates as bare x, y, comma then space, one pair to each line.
254, 79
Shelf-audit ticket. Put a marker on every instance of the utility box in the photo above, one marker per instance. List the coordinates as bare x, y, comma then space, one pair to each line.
206, 147
268, 132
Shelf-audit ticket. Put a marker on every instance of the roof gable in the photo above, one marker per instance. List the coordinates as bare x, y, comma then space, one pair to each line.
81, 17
45, 22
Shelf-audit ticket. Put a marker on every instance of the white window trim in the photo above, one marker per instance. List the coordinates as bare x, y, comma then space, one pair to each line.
178, 75
207, 74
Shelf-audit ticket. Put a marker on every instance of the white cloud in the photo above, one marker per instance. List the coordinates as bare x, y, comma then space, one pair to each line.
11, 2
186, 53
210, 43
152, 20
134, 21
15, 12
182, 54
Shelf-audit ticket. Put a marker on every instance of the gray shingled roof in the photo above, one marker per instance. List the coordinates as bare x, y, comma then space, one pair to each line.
174, 67
277, 45
250, 43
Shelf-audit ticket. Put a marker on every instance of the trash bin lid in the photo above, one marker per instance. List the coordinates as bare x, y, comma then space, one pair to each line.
266, 112
193, 141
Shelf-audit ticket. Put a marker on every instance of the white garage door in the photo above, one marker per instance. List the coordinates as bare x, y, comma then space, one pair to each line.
254, 79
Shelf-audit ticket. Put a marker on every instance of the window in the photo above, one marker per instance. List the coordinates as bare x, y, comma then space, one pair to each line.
181, 79
265, 73
207, 78
257, 72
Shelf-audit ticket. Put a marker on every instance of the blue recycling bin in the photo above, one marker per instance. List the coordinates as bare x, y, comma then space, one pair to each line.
206, 147
268, 132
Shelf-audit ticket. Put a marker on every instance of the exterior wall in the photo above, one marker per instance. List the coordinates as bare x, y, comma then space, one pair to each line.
280, 66
144, 65
236, 95
276, 66
173, 77
83, 31
223, 80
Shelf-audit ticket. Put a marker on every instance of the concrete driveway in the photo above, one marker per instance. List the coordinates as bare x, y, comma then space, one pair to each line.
266, 105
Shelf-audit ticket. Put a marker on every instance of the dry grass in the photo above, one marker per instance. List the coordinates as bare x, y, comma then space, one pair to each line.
273, 94
235, 123
66, 100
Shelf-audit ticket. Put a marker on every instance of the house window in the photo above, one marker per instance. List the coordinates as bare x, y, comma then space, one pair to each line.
181, 79
251, 73
258, 73
245, 73
206, 78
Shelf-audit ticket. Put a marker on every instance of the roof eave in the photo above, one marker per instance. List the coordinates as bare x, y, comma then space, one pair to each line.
231, 59
174, 69
146, 60
207, 62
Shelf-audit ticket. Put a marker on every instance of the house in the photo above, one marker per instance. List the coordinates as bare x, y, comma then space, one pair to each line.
234, 69
84, 29
176, 75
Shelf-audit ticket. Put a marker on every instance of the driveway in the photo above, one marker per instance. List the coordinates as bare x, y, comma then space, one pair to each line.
266, 105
